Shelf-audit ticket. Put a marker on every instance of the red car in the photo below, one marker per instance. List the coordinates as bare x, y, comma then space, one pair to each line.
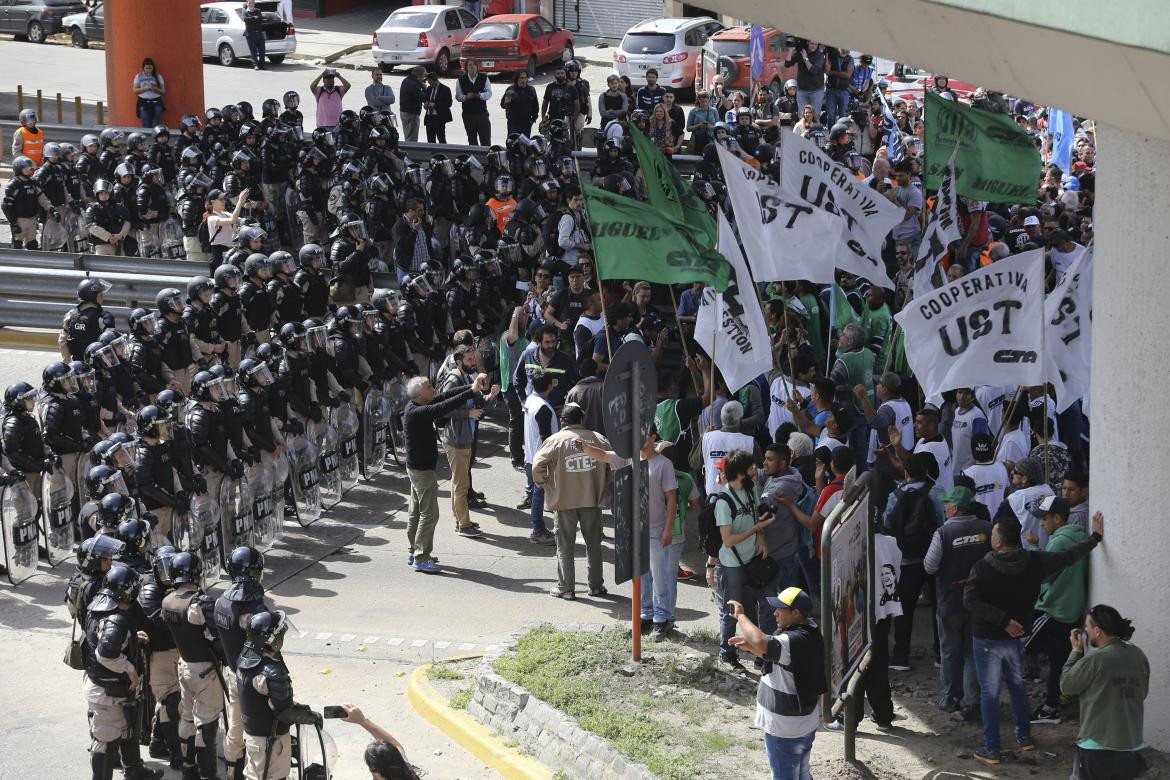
510, 42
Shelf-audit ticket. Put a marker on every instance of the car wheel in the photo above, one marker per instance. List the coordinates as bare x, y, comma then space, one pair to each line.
777, 89
567, 54
227, 55
531, 67
79, 40
443, 62
36, 32
276, 59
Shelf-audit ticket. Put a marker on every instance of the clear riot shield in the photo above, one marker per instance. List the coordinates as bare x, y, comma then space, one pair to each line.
329, 462
277, 467
349, 468
395, 398
259, 477
18, 524
235, 513
57, 526
314, 753
373, 436
187, 530
206, 513
303, 472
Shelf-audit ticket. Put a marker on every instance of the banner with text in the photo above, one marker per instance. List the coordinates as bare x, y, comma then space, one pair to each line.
1068, 310
941, 231
989, 323
730, 325
864, 215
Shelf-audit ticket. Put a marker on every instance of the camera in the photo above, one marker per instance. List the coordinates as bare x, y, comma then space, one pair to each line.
767, 506
793, 42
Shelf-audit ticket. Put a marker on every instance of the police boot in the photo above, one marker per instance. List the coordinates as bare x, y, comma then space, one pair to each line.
103, 768
235, 769
132, 759
190, 771
206, 755
158, 742
174, 744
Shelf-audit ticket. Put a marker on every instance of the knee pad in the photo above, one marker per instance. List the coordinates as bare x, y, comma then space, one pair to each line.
170, 708
205, 736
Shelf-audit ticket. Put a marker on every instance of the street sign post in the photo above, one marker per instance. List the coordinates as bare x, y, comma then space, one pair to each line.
629, 394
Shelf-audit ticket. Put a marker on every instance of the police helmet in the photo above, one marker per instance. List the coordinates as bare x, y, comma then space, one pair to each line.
246, 563
155, 423
160, 563
102, 480
172, 401
291, 100
135, 534
28, 117
58, 378
143, 322
255, 372
122, 583
309, 253
91, 552
206, 386
18, 395
504, 184
270, 108
88, 140
136, 141
255, 265
266, 630
89, 288
169, 300
186, 568
227, 276
113, 510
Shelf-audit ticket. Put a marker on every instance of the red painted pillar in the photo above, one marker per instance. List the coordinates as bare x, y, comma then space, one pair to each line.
168, 32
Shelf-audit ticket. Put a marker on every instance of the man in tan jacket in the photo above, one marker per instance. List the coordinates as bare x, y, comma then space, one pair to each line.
575, 487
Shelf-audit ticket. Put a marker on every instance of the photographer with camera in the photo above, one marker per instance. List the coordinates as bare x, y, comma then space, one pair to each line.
809, 59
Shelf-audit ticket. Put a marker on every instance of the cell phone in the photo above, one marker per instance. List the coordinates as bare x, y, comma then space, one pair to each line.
522, 286
334, 711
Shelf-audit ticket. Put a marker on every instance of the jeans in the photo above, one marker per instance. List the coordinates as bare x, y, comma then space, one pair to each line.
789, 757
910, 583
537, 513
810, 97
730, 585
837, 101
660, 584
957, 670
150, 112
997, 659
256, 48
787, 574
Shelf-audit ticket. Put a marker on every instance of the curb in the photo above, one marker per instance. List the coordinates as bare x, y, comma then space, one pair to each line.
473, 736
36, 339
330, 58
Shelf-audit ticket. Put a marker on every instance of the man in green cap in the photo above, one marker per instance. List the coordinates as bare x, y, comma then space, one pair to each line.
962, 540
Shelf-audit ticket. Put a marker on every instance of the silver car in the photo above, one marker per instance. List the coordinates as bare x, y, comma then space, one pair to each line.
223, 33
430, 35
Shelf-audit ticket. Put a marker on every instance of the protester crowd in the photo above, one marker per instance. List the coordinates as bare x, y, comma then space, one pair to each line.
980, 494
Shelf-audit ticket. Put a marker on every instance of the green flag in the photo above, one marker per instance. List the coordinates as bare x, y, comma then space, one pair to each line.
996, 160
843, 311
667, 191
634, 240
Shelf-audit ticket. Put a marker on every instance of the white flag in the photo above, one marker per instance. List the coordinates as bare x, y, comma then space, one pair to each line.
731, 324
941, 231
1068, 310
989, 323
865, 215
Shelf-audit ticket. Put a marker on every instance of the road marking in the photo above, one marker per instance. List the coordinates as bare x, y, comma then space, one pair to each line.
370, 640
467, 646
419, 643
395, 642
346, 637
442, 645
324, 635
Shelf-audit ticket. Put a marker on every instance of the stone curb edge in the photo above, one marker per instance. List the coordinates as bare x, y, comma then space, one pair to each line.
472, 735
38, 339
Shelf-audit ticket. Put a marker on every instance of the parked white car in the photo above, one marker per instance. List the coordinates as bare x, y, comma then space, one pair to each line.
223, 33
672, 46
430, 35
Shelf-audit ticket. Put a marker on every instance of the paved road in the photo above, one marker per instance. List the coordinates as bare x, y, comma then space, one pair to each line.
358, 609
81, 72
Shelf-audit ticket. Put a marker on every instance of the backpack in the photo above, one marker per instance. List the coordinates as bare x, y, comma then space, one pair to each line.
710, 540
913, 522
550, 231
204, 236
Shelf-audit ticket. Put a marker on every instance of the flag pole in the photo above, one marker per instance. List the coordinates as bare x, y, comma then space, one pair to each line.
682, 337
714, 340
832, 321
1007, 415
596, 265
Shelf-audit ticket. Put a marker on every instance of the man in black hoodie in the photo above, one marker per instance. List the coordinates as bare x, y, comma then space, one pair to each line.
1001, 595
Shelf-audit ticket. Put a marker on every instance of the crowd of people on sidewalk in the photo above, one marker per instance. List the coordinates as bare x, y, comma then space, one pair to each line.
337, 268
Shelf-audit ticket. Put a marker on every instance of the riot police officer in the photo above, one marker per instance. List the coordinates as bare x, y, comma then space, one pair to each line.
24, 200
233, 611
255, 378
107, 223
112, 670
21, 436
189, 613
296, 375
146, 356
100, 481
347, 354
254, 300
460, 303
266, 699
174, 403
313, 286
207, 427
201, 320
154, 473
86, 321
282, 291
64, 419
174, 336
163, 659
229, 316
134, 534
95, 557
350, 256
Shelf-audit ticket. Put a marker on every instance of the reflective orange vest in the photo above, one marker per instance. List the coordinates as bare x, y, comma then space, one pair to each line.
502, 209
32, 144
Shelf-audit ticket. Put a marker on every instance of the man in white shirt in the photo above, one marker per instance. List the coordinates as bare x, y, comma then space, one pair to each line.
929, 440
990, 475
969, 419
1029, 487
782, 389
1014, 443
716, 444
993, 400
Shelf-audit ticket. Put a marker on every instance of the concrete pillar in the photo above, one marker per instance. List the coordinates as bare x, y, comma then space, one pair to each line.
168, 32
1130, 371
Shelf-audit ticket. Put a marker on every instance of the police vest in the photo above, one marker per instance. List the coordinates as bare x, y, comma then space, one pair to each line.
258, 716
110, 633
82, 327
227, 624
189, 637
32, 144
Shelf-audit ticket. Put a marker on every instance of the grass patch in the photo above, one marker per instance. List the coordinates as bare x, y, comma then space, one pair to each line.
566, 669
704, 636
560, 774
462, 698
444, 673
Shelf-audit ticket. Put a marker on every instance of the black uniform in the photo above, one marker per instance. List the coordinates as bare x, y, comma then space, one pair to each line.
256, 305
296, 377
23, 443
83, 325
314, 293
287, 299
154, 474
461, 307
208, 438
175, 340
65, 425
146, 365
257, 419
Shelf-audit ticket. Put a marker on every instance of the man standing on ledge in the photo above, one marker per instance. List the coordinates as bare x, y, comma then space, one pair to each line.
422, 455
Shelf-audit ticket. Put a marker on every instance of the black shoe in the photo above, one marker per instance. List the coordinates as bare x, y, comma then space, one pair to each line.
526, 503
647, 625
471, 532
142, 773
598, 592
158, 748
659, 631
475, 494
899, 663
476, 502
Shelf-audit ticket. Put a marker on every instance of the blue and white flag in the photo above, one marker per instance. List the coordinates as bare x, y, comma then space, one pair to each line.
757, 51
1060, 125
895, 151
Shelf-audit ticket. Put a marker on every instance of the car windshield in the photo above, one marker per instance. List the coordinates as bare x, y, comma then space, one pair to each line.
648, 43
734, 48
496, 31
410, 20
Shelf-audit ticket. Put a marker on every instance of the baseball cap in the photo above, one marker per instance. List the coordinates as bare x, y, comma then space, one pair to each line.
982, 446
1050, 505
216, 195
959, 496
792, 598
1033, 220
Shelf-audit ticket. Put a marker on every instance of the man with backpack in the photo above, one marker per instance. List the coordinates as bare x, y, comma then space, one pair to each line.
572, 237
784, 537
912, 516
